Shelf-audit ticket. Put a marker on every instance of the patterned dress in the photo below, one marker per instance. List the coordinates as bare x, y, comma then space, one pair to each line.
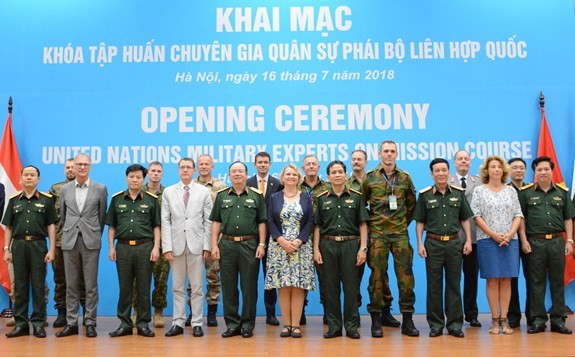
295, 269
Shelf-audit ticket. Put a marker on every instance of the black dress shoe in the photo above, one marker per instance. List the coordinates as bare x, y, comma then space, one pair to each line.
146, 332
39, 331
561, 329
174, 331
231, 333
435, 332
91, 331
536, 329
121, 332
456, 333
272, 320
247, 333
474, 323
408, 328
513, 323
19, 331
353, 334
68, 331
197, 331
188, 321
332, 334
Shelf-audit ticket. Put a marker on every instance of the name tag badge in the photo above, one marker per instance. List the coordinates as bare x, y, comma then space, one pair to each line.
392, 202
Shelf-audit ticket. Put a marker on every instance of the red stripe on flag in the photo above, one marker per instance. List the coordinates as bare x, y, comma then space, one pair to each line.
10, 167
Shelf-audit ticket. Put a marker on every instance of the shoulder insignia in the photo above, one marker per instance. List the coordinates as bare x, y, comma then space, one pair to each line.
356, 191
151, 194
563, 188
46, 194
459, 188
526, 186
426, 189
16, 194
117, 193
256, 190
223, 189
323, 193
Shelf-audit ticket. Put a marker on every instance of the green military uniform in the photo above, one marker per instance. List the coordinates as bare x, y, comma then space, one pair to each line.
441, 215
340, 216
29, 219
240, 216
545, 213
160, 273
388, 233
212, 266
134, 221
353, 182
58, 262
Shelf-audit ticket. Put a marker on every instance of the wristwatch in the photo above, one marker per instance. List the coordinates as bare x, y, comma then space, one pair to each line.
364, 249
6, 248
262, 245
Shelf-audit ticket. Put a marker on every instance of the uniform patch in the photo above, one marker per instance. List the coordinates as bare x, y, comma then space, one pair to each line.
348, 201
122, 205
249, 200
454, 199
41, 205
144, 206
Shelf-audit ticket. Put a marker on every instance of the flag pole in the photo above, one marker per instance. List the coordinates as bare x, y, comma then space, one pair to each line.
541, 101
9, 312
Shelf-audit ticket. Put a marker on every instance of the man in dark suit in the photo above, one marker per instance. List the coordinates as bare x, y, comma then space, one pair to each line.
83, 204
468, 182
268, 185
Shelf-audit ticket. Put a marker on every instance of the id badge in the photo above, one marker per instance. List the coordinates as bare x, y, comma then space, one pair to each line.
392, 202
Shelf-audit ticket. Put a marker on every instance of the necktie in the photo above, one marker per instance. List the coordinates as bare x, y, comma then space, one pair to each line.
186, 195
463, 183
263, 186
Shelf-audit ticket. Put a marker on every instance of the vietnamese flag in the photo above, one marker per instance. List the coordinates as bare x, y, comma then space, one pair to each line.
10, 167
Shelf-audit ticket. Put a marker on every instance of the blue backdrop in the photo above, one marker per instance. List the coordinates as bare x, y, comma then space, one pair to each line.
137, 81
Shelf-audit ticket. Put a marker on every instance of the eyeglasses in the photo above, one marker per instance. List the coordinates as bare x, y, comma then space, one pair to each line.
186, 167
81, 164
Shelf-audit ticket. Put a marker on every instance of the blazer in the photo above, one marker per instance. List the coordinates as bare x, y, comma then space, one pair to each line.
189, 225
274, 185
472, 182
90, 221
275, 206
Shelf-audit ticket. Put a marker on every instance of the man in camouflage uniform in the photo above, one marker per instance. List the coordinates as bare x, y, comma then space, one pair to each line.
390, 194
313, 186
205, 168
358, 164
58, 263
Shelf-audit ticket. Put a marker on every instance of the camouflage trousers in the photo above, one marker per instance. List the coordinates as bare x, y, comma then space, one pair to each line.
161, 272
379, 293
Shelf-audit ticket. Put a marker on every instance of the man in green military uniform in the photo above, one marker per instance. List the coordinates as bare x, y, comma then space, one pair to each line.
29, 218
162, 266
205, 178
239, 218
134, 220
313, 186
548, 212
340, 248
442, 210
390, 194
58, 263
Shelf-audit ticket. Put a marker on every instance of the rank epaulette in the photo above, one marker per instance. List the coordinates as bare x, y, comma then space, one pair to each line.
426, 189
563, 188
15, 194
323, 193
151, 194
356, 191
117, 193
526, 186
256, 190
459, 188
46, 194
223, 189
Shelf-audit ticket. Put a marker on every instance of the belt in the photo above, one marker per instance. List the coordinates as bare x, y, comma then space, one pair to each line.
548, 236
239, 238
340, 238
30, 238
446, 238
134, 241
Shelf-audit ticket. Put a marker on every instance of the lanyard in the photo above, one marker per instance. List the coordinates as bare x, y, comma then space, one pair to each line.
392, 185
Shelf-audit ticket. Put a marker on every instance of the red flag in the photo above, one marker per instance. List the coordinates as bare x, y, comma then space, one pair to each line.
546, 148
10, 167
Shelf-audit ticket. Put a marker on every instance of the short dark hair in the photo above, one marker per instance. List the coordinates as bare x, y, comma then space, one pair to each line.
187, 159
540, 159
238, 162
514, 159
436, 161
336, 162
262, 154
32, 166
361, 151
136, 167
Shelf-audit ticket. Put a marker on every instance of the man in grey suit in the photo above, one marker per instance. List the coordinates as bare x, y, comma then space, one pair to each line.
83, 213
462, 178
186, 243
268, 185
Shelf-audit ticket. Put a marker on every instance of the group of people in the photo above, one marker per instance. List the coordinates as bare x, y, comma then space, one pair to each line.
297, 226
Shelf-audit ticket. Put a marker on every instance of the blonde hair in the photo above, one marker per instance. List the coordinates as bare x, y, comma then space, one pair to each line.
293, 167
484, 172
